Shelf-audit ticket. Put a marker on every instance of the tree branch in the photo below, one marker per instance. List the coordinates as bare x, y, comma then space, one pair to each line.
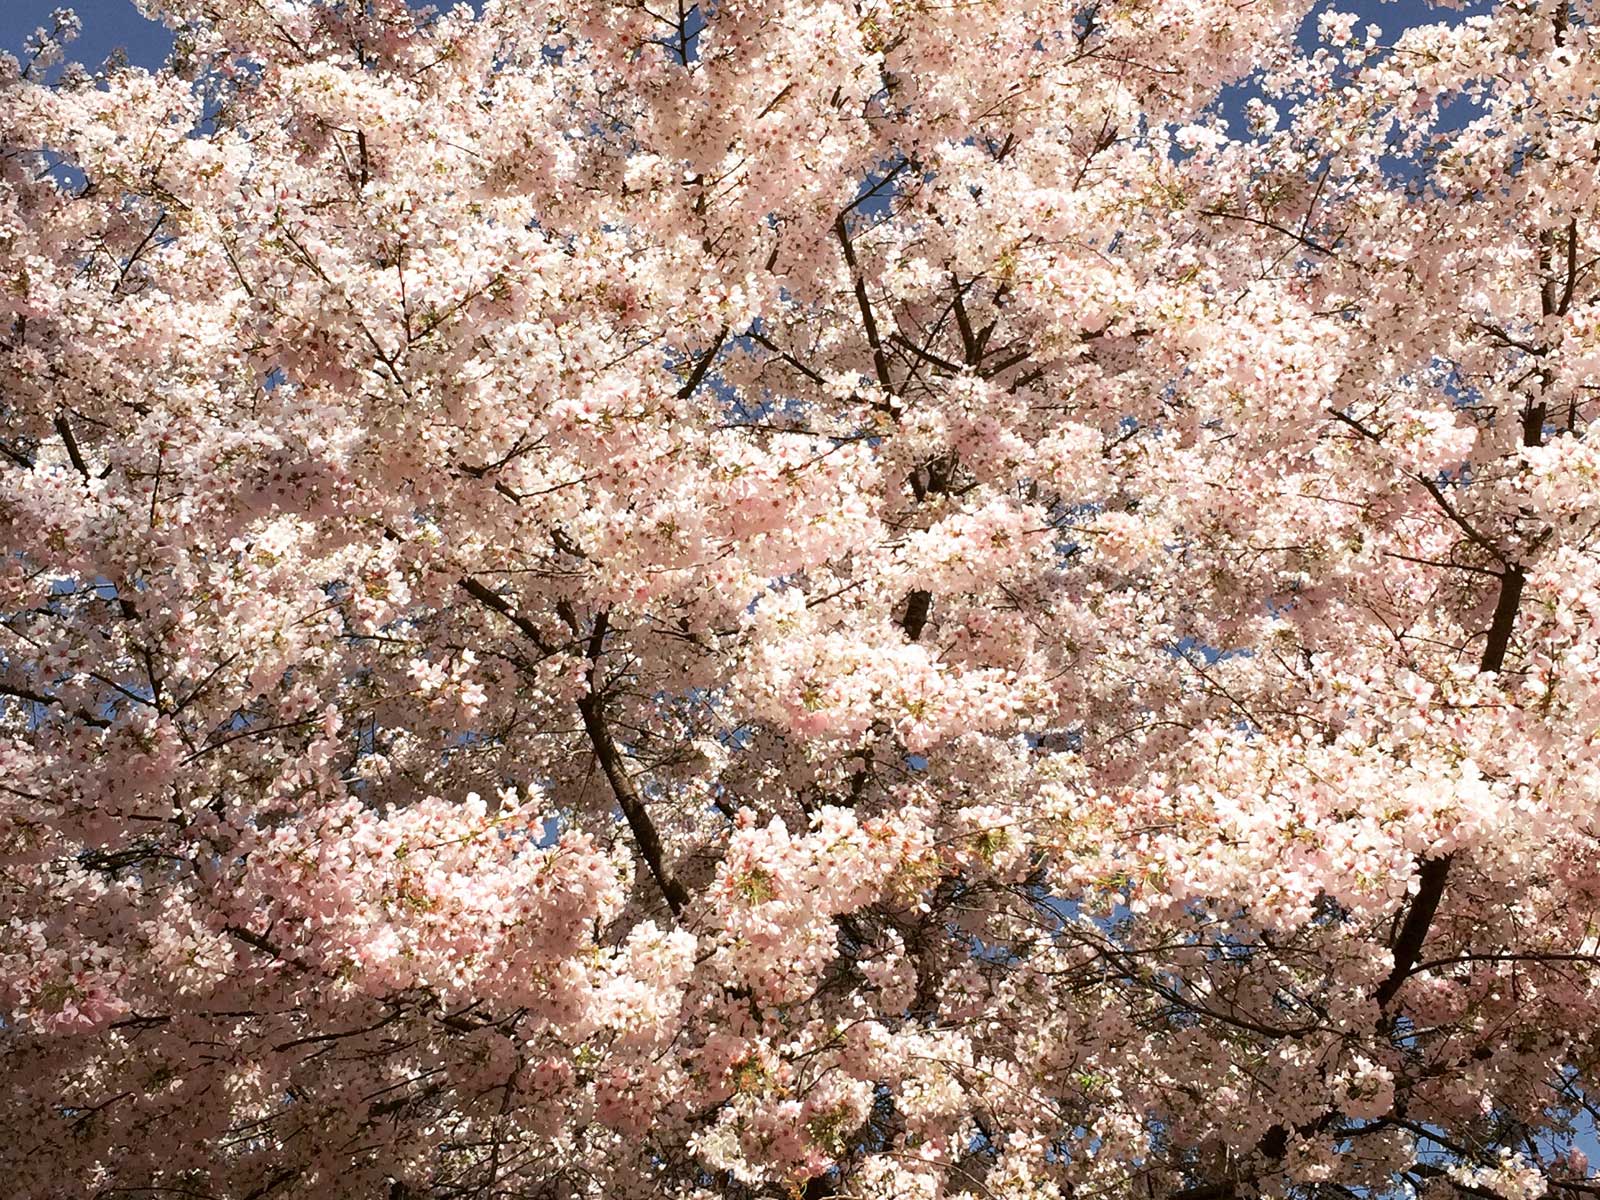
497, 603
592, 708
1408, 945
880, 362
75, 454
700, 369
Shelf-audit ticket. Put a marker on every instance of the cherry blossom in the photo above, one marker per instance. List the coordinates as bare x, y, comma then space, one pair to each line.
802, 599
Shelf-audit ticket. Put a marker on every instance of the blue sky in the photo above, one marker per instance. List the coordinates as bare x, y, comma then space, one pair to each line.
110, 24
107, 26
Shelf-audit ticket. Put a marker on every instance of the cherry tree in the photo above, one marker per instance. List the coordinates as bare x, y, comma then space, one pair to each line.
802, 598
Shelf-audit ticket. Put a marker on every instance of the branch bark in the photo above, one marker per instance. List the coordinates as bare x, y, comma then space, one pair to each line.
491, 599
701, 367
880, 361
633, 808
592, 708
1419, 917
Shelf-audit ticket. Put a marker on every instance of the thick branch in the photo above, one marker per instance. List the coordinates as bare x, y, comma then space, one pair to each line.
918, 605
1505, 619
73, 452
633, 808
1435, 872
493, 600
592, 708
22, 693
1408, 946
1565, 303
600, 740
880, 361
701, 367
969, 340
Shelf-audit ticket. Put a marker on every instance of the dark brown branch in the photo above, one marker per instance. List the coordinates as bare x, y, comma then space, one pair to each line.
266, 946
494, 601
987, 331
1011, 360
880, 361
1354, 424
16, 456
701, 367
138, 252
969, 340
794, 362
776, 100
638, 817
873, 189
1512, 343
29, 694
592, 708
1308, 243
1473, 535
20, 693
75, 454
1435, 872
1408, 945
918, 606
1535, 957
932, 359
1434, 490
318, 1038
1504, 621
1445, 566
480, 472
1572, 269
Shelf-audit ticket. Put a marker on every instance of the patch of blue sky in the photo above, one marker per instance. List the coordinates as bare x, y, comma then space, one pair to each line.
1393, 18
1192, 647
110, 27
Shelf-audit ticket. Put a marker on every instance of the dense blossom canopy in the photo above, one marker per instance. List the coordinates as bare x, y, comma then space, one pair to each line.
801, 598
